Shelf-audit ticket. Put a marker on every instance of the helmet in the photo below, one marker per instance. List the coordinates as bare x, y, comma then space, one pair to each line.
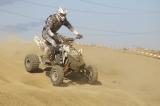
62, 13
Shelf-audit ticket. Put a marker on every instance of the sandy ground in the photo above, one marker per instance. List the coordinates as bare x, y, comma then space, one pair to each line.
125, 79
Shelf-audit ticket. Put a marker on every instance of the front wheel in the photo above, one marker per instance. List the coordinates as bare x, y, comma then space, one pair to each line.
91, 74
57, 75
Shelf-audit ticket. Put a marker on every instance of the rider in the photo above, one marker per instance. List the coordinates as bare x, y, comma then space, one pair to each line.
52, 25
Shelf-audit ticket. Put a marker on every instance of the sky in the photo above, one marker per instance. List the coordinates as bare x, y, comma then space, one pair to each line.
115, 23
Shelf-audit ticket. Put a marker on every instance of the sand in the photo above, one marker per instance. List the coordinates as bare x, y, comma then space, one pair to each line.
125, 79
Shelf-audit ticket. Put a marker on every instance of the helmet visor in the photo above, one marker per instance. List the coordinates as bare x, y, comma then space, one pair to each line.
62, 14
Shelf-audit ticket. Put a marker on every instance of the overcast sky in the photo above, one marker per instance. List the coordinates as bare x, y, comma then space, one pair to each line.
117, 23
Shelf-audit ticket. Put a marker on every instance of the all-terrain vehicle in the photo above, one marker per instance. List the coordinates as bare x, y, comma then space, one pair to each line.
64, 63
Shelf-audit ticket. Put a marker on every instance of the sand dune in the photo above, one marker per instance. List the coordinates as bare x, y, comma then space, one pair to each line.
124, 80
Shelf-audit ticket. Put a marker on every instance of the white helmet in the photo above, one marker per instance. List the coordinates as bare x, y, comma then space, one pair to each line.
62, 13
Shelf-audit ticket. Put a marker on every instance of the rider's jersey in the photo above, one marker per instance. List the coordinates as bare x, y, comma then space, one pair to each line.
53, 23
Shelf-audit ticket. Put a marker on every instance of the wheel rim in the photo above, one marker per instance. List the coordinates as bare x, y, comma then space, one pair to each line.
28, 63
90, 75
54, 76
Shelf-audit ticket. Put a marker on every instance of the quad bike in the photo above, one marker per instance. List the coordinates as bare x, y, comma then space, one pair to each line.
64, 63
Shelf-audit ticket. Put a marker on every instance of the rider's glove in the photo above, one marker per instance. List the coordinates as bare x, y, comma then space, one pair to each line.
79, 36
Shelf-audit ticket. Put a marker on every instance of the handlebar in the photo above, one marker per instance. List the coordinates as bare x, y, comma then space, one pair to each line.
69, 39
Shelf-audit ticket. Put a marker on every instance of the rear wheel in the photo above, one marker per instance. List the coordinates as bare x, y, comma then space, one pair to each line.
57, 75
91, 74
31, 63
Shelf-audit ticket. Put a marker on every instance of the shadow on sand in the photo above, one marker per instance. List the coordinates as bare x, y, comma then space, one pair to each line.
77, 78
72, 79
38, 71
